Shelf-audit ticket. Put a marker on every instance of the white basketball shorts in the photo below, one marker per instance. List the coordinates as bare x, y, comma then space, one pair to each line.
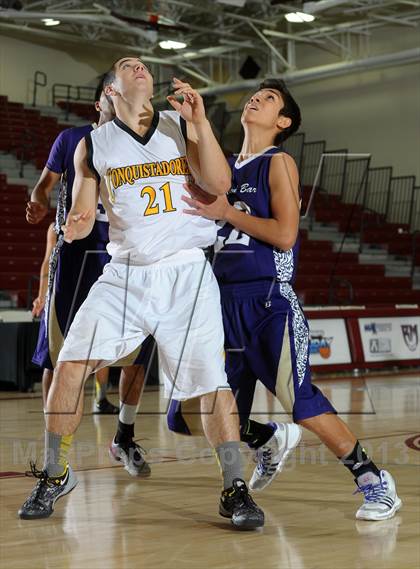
176, 300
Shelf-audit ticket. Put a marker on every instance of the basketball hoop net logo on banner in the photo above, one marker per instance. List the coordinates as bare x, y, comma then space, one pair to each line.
411, 336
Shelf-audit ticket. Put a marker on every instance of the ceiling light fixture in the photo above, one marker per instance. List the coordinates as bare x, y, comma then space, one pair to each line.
169, 44
299, 17
50, 22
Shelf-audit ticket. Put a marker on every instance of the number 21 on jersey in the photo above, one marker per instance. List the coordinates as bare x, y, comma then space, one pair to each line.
152, 207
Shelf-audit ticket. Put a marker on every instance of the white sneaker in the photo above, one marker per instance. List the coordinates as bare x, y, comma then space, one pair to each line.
272, 456
381, 500
131, 457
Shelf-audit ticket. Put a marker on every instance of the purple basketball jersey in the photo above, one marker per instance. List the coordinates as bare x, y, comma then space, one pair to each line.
238, 256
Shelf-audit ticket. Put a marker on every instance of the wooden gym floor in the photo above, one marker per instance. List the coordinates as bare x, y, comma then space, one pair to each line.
112, 521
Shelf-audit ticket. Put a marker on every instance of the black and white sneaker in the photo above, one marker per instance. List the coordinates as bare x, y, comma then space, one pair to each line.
105, 407
381, 499
131, 456
237, 504
40, 503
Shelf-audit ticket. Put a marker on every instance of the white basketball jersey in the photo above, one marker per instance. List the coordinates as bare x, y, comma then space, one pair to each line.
143, 184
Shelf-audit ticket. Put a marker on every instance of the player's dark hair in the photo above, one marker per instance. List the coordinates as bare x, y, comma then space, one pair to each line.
99, 88
290, 109
109, 76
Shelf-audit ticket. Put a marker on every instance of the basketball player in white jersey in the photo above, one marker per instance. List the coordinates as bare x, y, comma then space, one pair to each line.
73, 268
158, 281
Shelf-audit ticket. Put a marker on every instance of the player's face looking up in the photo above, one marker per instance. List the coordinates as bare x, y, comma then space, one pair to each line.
264, 109
132, 76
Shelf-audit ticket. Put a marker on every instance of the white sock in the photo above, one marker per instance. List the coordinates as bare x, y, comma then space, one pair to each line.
127, 413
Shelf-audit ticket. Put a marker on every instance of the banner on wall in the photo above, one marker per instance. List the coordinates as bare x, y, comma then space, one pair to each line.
329, 342
393, 338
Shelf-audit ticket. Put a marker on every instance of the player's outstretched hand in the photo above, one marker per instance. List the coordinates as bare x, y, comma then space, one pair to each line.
204, 204
75, 224
35, 212
38, 306
191, 108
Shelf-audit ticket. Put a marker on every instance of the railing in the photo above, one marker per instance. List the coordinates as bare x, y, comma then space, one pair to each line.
415, 219
311, 159
368, 214
333, 170
294, 147
378, 189
355, 180
401, 200
40, 80
72, 93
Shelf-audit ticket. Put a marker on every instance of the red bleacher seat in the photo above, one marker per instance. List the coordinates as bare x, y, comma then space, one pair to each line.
13, 209
36, 233
12, 198
83, 110
14, 250
20, 264
316, 245
13, 280
341, 269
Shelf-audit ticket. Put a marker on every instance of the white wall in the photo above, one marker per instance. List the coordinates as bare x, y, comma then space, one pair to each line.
20, 59
377, 112
372, 111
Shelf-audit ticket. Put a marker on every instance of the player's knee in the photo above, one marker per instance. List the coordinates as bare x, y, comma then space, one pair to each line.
305, 423
73, 372
314, 424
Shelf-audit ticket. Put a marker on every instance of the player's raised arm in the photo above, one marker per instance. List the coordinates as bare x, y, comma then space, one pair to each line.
205, 157
81, 217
